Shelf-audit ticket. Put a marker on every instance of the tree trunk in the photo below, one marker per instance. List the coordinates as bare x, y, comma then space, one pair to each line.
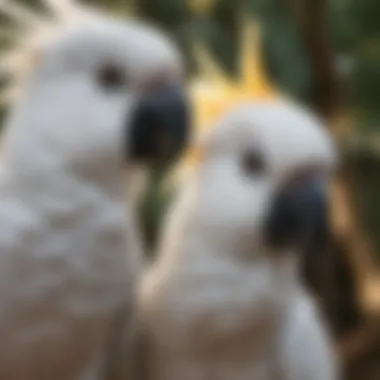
332, 269
312, 20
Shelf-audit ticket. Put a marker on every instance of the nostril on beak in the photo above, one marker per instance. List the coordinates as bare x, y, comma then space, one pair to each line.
160, 126
299, 210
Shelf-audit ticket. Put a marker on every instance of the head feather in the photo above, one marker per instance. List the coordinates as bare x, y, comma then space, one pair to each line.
29, 32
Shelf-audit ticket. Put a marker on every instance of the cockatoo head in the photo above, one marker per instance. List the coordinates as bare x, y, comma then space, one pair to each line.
263, 178
102, 93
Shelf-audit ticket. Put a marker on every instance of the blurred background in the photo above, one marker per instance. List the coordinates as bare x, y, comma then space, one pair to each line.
325, 53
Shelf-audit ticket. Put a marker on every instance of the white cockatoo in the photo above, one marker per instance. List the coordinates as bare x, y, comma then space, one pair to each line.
104, 96
224, 299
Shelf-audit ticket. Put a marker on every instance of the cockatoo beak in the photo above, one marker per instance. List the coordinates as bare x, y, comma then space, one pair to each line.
160, 128
299, 212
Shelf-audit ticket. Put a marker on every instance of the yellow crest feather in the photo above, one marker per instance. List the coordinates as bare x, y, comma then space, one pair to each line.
214, 94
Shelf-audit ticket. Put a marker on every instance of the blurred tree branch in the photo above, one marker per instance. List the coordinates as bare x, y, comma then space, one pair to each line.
311, 16
338, 263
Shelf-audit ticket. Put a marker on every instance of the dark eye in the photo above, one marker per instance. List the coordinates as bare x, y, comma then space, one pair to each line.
253, 163
112, 77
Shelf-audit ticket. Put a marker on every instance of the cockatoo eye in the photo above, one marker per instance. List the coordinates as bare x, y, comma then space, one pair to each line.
253, 163
112, 77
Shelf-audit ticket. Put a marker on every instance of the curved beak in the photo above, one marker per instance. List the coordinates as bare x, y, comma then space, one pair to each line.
299, 214
160, 126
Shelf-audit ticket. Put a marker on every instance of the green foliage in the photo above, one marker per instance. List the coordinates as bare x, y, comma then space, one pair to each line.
220, 29
153, 205
355, 29
286, 59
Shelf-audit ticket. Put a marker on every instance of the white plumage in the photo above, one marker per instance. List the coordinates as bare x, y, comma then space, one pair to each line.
220, 303
69, 251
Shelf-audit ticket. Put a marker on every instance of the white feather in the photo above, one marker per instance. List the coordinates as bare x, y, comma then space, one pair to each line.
69, 249
218, 303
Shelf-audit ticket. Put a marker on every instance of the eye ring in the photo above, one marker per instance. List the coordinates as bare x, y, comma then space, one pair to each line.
111, 77
253, 163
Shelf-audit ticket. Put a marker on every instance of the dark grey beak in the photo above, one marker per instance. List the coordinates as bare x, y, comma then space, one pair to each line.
160, 128
299, 214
